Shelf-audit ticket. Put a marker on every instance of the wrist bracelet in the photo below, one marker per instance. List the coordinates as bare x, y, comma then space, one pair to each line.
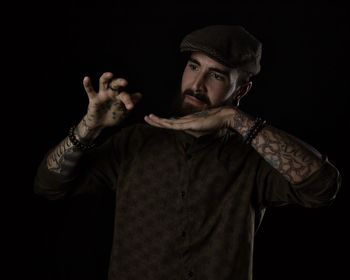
257, 126
76, 143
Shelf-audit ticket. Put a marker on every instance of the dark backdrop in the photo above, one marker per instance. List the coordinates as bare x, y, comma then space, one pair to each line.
301, 89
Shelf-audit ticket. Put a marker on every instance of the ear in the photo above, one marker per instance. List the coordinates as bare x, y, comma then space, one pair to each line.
242, 91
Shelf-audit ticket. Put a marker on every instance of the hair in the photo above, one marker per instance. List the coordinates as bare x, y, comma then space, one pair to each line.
244, 77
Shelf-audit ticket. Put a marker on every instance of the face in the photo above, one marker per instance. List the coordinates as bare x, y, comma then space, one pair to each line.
206, 84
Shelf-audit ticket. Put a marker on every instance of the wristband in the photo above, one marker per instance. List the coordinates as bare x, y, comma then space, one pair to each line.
257, 126
78, 144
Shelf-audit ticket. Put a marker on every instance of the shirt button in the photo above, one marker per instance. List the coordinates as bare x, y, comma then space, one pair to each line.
183, 234
190, 273
183, 193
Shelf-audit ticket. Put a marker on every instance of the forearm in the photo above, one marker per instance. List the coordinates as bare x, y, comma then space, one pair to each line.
64, 158
294, 159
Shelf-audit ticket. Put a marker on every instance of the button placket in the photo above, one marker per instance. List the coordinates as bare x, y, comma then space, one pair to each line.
188, 156
185, 229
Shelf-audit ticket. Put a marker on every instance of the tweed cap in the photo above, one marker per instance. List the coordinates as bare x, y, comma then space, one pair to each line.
230, 45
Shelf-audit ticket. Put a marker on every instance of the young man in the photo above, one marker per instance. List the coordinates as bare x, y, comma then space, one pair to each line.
190, 190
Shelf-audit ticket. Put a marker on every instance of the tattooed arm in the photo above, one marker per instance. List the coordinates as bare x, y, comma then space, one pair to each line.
65, 156
108, 107
294, 159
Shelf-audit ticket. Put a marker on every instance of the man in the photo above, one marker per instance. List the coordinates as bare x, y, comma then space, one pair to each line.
190, 190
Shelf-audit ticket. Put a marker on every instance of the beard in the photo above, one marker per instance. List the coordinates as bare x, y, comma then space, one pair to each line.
182, 108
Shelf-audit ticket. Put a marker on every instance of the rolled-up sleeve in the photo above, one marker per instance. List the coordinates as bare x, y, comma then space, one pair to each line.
97, 170
320, 189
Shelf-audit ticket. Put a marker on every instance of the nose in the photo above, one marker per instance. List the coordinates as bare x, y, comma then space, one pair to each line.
198, 84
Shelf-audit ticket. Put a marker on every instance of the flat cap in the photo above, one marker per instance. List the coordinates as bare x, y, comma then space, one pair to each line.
230, 45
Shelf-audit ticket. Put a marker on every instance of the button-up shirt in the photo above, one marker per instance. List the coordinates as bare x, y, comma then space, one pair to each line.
186, 207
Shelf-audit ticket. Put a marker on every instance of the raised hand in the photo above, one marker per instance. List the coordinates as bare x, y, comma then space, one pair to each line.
107, 107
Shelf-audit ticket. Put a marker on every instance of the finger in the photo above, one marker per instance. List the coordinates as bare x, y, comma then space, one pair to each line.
104, 80
201, 114
88, 87
116, 84
168, 123
156, 124
180, 121
126, 99
151, 122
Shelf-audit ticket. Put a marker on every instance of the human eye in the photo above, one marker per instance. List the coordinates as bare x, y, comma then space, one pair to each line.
193, 66
217, 76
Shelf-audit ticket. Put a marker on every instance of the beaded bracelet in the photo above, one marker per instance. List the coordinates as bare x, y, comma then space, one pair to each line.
75, 141
258, 125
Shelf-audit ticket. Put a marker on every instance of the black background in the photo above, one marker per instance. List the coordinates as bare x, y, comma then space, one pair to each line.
302, 89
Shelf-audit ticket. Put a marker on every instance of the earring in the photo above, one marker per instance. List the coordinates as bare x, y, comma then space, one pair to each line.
235, 102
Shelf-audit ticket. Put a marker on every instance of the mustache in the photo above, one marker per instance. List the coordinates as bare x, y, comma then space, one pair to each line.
200, 96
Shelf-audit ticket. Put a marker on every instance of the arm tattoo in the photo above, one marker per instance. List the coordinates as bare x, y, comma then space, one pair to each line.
290, 156
294, 159
64, 158
85, 128
242, 123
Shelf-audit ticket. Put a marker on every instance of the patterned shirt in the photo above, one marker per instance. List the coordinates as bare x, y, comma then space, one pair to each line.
186, 207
